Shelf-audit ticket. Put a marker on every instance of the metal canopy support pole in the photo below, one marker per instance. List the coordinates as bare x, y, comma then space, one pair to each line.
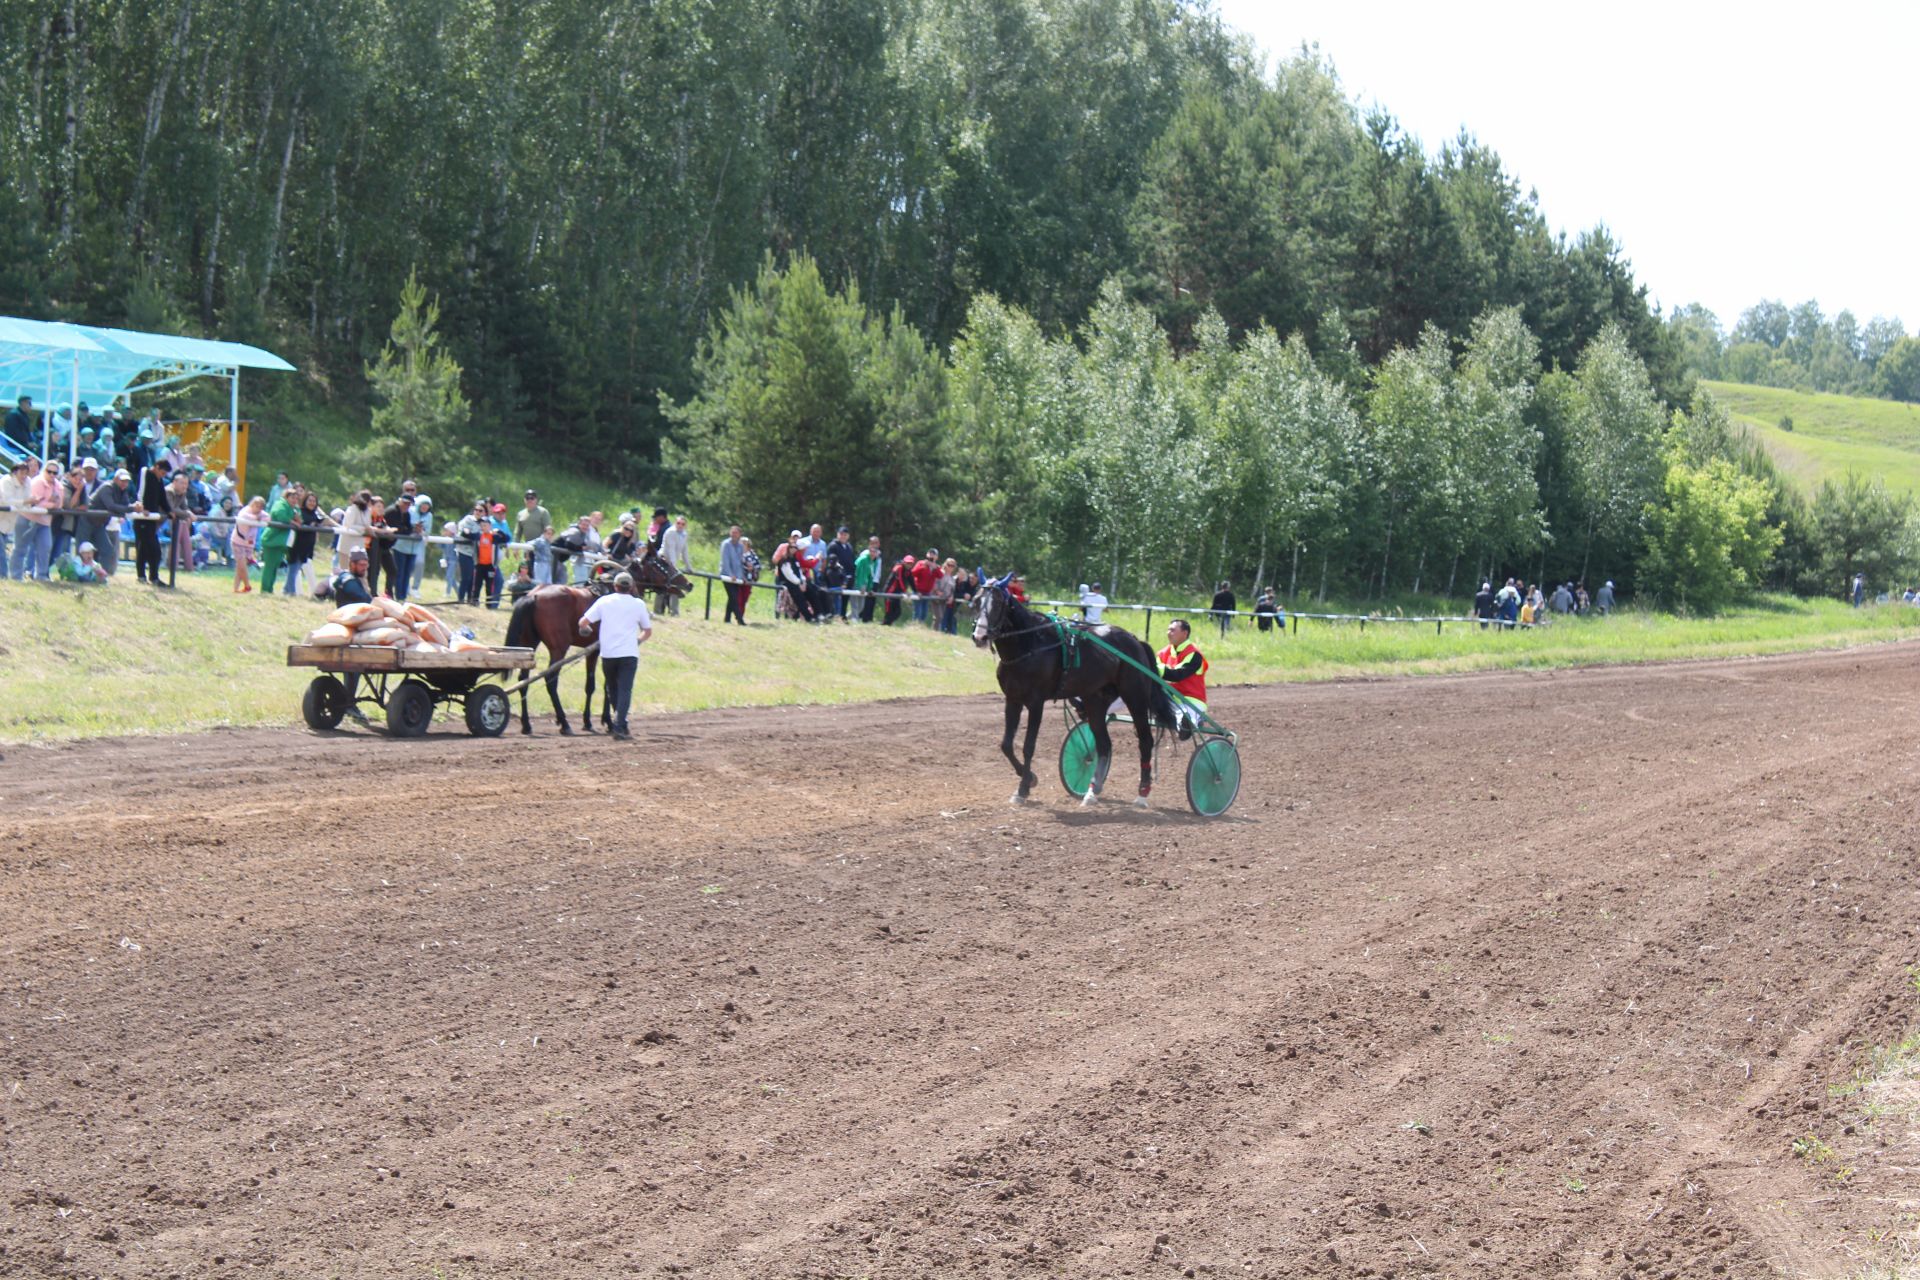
46, 416
73, 418
233, 425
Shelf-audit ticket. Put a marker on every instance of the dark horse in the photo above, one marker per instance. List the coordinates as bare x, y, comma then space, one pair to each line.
551, 616
1035, 667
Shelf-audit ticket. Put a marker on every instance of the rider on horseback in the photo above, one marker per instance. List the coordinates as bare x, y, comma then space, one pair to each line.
1183, 666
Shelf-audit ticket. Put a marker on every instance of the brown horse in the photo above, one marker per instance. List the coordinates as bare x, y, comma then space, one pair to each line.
550, 616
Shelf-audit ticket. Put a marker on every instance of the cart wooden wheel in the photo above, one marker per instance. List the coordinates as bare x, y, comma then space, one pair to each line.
1213, 777
409, 709
488, 711
325, 703
1078, 759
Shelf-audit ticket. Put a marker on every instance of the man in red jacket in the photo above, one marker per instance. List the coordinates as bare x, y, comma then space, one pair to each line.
925, 574
1183, 666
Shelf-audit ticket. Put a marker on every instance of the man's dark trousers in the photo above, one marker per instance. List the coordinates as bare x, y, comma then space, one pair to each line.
146, 550
620, 673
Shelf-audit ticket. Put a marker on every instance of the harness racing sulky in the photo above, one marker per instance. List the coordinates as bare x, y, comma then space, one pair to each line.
1105, 675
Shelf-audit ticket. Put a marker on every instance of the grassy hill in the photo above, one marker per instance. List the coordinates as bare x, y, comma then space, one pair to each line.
1831, 434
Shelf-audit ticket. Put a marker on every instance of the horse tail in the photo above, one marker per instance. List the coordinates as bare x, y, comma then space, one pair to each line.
521, 633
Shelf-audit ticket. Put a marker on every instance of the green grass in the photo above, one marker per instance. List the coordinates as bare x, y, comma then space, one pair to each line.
1325, 651
124, 659
1831, 434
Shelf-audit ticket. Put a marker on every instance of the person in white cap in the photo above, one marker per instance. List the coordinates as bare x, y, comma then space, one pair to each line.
109, 499
85, 568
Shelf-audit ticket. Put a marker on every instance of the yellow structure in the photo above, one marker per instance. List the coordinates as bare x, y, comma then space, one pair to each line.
219, 448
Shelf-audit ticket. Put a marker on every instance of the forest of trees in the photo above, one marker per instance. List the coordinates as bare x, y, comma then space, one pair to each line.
1112, 452
1085, 278
580, 184
1800, 348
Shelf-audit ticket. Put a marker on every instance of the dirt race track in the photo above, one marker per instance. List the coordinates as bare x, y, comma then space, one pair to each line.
1518, 975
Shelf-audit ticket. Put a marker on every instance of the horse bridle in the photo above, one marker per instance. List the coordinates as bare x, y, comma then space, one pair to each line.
996, 632
652, 560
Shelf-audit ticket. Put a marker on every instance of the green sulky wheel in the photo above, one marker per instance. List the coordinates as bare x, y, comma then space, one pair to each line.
1078, 760
1213, 777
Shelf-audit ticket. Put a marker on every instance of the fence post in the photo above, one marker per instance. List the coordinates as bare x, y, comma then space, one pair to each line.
1363, 624
1149, 627
708, 615
1296, 624
1437, 624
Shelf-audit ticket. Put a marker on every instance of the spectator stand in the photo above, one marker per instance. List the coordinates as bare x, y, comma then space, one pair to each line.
66, 365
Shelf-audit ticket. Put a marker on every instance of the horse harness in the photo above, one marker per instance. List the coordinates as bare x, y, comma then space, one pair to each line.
1066, 635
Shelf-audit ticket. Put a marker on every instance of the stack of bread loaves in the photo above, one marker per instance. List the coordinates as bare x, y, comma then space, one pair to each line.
392, 623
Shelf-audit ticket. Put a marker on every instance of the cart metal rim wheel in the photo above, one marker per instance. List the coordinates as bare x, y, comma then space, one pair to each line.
324, 704
1213, 777
1078, 759
410, 709
488, 711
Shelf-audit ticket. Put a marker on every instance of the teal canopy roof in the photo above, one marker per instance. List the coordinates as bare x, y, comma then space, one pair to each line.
78, 361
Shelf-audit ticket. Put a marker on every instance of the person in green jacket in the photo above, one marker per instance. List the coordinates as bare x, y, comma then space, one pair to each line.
276, 537
868, 568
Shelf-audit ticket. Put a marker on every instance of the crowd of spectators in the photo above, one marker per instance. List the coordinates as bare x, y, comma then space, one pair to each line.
819, 580
1516, 604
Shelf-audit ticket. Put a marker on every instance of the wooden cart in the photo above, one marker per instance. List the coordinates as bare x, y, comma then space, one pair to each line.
408, 685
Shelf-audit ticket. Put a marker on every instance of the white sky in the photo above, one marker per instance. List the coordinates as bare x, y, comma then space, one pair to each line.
1737, 152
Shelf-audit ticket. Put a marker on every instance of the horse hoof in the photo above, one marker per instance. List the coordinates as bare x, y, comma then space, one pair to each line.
566, 731
1139, 802
1016, 798
1087, 801
526, 731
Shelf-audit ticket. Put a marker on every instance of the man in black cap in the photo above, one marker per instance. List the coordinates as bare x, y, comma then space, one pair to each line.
533, 521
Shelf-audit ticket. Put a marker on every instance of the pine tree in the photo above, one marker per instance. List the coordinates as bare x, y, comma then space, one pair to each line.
422, 410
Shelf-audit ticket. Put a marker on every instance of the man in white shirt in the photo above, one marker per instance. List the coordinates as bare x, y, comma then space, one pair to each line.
673, 549
1092, 603
624, 625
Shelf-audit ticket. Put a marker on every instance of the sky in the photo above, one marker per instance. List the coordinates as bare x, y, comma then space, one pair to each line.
1736, 152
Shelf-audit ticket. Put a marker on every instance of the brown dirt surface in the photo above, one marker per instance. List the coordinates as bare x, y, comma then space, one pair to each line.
1509, 975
